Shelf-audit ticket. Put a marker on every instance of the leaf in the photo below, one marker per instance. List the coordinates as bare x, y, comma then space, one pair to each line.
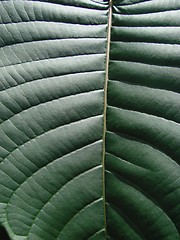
52, 68
89, 114
142, 140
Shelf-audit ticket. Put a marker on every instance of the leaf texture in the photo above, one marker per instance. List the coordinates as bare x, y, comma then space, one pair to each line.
59, 123
143, 132
52, 66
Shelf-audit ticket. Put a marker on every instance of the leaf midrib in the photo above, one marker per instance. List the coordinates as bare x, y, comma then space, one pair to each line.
105, 105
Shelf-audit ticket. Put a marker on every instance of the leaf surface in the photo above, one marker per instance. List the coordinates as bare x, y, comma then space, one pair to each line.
142, 139
52, 63
89, 119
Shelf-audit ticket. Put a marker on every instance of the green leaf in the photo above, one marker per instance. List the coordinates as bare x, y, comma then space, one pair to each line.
143, 132
89, 119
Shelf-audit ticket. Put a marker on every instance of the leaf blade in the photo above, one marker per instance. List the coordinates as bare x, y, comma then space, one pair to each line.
52, 64
142, 138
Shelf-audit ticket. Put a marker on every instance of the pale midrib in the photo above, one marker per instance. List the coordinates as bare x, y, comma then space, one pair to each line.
105, 105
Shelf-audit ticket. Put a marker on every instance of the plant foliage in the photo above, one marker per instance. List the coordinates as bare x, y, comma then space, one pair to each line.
89, 119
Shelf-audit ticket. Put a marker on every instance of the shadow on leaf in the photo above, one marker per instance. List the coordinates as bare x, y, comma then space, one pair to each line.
3, 234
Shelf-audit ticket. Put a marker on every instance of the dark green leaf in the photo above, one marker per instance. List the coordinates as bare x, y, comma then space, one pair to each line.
89, 119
